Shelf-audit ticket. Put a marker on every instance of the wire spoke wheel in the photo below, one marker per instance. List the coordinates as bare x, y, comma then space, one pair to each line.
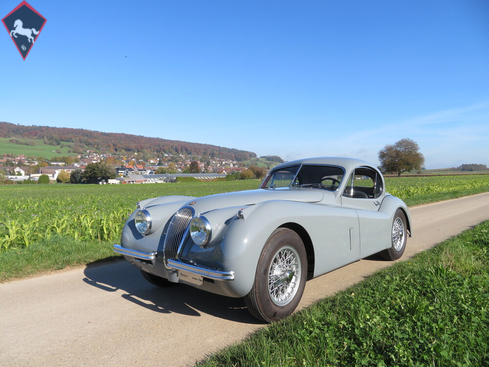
284, 276
398, 234
280, 277
398, 237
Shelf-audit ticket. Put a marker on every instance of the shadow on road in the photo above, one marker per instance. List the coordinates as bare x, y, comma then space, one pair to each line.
180, 298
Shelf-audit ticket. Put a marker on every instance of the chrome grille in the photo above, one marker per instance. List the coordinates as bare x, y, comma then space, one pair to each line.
176, 231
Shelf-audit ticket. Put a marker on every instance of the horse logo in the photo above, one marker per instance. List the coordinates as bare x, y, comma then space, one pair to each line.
26, 22
18, 29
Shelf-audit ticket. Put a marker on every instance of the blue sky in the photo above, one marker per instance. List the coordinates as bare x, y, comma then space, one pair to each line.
287, 77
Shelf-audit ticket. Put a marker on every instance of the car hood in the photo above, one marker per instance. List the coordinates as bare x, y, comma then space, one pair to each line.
251, 197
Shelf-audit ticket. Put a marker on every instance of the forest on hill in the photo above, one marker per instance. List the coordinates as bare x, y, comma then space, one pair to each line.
80, 140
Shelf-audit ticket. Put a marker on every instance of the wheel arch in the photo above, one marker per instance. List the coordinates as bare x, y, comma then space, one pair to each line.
408, 220
306, 240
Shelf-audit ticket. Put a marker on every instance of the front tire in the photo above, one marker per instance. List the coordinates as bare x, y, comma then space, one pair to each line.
398, 237
280, 277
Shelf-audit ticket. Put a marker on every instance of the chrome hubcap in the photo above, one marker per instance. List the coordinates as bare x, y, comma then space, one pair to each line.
284, 276
398, 234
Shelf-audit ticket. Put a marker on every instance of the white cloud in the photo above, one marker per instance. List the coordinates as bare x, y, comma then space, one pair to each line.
446, 138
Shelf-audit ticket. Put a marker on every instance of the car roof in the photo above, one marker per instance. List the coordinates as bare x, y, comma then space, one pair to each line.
347, 163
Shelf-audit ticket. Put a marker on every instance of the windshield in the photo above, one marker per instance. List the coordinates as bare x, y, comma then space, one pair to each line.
306, 176
280, 178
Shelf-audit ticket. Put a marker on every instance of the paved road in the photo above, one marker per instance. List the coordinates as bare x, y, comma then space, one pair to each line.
109, 316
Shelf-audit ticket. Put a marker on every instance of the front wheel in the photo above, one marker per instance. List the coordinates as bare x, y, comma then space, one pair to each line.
280, 277
398, 237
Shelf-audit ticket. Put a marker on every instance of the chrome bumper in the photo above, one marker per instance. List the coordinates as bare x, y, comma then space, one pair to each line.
178, 265
133, 253
203, 272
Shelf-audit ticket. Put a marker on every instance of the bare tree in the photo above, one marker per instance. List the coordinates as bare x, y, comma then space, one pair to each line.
401, 157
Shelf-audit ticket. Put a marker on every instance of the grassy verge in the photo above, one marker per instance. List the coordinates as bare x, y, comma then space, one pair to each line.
56, 253
429, 311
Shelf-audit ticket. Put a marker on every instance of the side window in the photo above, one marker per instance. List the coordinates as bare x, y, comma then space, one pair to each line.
364, 183
322, 177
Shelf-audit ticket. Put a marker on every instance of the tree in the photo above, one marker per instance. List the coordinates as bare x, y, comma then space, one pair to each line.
172, 168
258, 172
246, 174
97, 172
401, 157
63, 177
194, 167
43, 179
76, 176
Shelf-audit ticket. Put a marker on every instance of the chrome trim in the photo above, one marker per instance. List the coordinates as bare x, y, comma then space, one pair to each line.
146, 218
207, 273
136, 254
207, 230
177, 232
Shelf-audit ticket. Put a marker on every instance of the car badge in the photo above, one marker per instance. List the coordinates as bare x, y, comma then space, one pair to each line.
24, 24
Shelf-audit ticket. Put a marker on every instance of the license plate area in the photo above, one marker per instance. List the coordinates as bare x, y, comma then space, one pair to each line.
190, 277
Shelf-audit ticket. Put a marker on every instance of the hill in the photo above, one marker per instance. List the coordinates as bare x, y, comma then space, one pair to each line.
78, 141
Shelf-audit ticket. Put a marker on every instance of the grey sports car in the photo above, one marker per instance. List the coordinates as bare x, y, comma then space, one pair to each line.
307, 218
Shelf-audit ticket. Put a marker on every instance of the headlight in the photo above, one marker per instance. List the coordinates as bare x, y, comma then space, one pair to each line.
200, 230
142, 220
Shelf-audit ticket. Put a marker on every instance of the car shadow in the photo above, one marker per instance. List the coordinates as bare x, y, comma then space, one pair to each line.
375, 257
180, 298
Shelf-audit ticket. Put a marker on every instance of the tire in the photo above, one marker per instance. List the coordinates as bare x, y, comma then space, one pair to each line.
155, 280
398, 237
283, 263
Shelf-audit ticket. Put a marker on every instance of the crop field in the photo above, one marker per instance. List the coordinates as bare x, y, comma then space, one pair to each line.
422, 190
33, 213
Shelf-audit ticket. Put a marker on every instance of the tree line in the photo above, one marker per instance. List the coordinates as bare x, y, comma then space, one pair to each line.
118, 143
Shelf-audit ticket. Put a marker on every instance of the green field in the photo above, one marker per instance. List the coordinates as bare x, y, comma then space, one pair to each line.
38, 150
428, 189
83, 221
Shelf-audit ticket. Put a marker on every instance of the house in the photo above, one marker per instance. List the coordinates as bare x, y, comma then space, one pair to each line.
19, 171
53, 171
133, 179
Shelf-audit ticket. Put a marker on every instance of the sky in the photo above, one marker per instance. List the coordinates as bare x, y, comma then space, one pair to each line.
290, 78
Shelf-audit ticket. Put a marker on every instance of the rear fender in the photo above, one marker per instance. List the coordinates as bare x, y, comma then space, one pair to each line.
390, 204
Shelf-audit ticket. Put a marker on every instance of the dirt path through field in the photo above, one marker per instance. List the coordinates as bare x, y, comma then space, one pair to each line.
109, 316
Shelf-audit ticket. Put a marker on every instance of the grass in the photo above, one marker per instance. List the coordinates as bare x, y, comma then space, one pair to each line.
49, 227
430, 311
72, 218
38, 150
424, 190
59, 252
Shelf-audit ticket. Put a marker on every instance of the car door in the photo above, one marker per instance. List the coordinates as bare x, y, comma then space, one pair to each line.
364, 193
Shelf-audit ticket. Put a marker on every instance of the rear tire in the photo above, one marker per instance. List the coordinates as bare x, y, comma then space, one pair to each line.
156, 280
280, 277
398, 237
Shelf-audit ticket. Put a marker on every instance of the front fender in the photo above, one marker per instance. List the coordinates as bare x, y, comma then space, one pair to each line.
241, 240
